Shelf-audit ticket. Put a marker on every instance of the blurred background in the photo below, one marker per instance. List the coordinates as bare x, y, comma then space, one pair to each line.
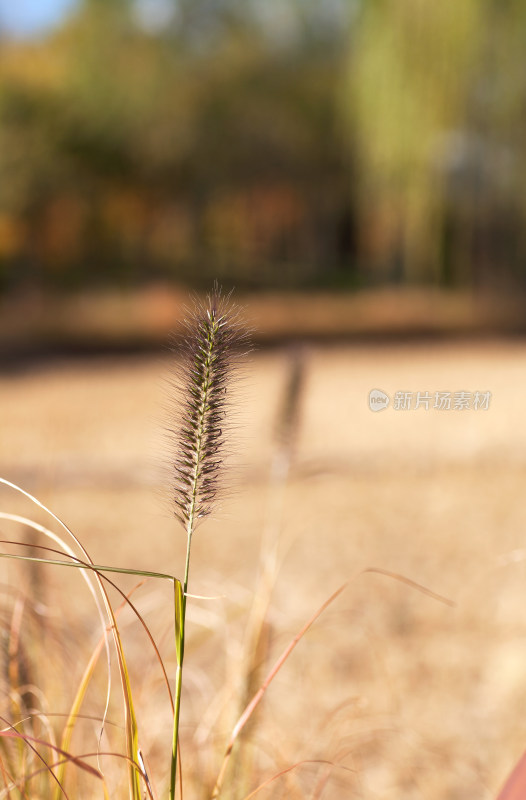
355, 169
343, 147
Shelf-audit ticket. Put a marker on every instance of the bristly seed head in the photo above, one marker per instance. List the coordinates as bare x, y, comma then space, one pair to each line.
213, 334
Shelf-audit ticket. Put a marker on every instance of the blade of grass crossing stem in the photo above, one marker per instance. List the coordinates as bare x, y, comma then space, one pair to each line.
47, 532
77, 563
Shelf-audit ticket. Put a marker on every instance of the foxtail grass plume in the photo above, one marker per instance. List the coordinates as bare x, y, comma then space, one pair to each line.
212, 337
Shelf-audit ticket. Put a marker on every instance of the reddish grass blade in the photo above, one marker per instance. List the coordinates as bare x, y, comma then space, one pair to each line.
289, 769
515, 786
29, 740
412, 584
79, 761
13, 734
249, 710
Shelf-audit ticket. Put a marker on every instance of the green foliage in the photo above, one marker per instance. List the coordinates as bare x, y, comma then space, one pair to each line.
279, 143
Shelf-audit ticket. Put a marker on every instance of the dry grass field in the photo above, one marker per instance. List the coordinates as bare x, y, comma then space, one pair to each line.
406, 696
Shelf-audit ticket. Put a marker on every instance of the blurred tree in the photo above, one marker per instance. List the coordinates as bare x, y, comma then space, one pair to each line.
436, 117
186, 139
203, 148
413, 69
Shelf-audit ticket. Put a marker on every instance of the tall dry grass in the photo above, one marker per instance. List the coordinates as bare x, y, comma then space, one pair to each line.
54, 689
44, 752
